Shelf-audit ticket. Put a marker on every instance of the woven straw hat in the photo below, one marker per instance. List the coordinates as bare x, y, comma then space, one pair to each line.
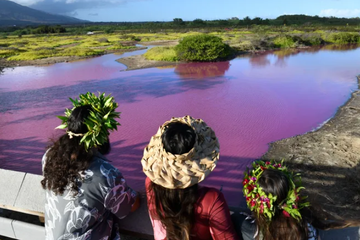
174, 171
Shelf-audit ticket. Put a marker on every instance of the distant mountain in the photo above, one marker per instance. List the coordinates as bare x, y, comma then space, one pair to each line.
12, 13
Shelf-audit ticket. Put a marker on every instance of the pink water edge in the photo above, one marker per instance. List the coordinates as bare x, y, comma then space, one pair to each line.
249, 102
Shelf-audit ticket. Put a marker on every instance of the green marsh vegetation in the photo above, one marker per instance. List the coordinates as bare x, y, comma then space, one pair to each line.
31, 47
242, 35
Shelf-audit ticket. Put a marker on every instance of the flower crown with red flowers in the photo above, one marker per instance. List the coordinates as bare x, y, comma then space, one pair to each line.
261, 203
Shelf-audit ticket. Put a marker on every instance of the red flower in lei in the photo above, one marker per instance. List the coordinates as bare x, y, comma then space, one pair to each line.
245, 181
285, 213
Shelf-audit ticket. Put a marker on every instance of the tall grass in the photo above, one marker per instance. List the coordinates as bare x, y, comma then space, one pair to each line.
344, 38
34, 54
284, 42
79, 51
162, 54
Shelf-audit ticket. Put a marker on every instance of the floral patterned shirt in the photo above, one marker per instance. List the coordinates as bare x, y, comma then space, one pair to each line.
103, 197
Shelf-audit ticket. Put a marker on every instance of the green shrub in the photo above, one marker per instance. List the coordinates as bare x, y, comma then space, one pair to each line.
203, 48
102, 40
312, 39
130, 37
344, 38
161, 54
284, 42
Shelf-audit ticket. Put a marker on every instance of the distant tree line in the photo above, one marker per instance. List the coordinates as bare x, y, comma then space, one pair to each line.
43, 29
179, 23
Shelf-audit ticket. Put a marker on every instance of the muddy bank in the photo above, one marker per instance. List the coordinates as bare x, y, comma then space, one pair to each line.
139, 62
329, 161
161, 43
52, 60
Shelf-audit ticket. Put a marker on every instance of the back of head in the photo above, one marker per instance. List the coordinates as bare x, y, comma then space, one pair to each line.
67, 156
178, 138
281, 226
77, 118
275, 182
175, 207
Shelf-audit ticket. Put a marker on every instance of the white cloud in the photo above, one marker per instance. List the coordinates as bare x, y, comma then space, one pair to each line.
27, 2
348, 13
68, 7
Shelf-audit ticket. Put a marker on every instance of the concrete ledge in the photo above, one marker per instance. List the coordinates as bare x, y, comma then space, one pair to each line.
6, 228
31, 196
10, 184
27, 231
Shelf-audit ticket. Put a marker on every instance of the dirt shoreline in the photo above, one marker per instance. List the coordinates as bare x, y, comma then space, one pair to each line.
329, 162
140, 62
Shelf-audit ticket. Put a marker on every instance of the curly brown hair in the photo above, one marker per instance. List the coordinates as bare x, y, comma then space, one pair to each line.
67, 157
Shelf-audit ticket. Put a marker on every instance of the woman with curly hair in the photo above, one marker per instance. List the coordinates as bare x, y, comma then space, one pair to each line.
273, 195
85, 194
182, 154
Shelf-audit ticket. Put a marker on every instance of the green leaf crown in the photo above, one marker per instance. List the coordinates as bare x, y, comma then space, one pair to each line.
261, 203
100, 120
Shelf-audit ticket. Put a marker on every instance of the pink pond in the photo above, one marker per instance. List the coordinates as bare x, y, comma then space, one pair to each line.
249, 102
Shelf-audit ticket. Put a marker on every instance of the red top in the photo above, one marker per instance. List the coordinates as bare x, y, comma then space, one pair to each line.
212, 216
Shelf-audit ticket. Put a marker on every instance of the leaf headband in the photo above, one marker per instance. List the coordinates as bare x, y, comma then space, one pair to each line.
261, 203
100, 120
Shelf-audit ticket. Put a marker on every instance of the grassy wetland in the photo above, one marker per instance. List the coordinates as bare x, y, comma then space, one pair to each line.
19, 45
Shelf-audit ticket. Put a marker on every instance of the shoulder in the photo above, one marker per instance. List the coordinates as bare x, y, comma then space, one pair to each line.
209, 196
209, 192
103, 172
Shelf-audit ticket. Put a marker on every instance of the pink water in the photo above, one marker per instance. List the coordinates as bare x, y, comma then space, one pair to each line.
249, 102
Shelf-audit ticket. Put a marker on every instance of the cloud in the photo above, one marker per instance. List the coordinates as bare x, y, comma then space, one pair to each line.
68, 7
347, 13
93, 14
27, 2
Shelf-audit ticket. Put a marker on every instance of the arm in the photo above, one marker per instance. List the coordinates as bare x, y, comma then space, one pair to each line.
121, 199
136, 204
221, 226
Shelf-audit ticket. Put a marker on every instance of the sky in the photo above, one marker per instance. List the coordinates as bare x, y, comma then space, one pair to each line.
167, 10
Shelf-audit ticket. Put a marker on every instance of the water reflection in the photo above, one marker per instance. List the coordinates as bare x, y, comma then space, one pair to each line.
259, 60
202, 70
281, 56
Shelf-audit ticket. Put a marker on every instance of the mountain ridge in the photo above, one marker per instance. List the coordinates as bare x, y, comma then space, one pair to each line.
12, 13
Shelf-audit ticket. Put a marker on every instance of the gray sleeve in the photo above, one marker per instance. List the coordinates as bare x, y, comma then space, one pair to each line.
248, 230
120, 198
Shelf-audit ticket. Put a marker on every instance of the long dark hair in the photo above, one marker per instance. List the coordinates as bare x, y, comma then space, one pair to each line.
176, 207
66, 157
280, 227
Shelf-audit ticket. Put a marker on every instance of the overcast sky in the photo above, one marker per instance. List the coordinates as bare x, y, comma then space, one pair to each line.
166, 10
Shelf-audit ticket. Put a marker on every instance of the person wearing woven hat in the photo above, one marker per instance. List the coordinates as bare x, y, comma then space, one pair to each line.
272, 194
182, 153
85, 194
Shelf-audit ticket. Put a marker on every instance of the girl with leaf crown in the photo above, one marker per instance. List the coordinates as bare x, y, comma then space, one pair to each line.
85, 195
273, 195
